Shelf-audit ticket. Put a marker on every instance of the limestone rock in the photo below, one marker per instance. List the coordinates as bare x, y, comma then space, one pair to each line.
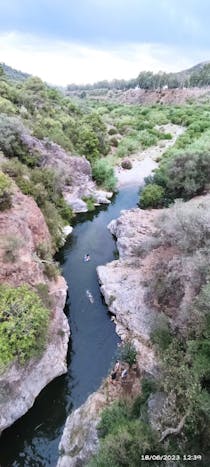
79, 440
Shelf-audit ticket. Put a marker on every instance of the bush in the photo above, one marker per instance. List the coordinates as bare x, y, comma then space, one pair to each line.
152, 196
183, 173
161, 336
126, 164
23, 324
5, 192
186, 226
51, 270
103, 174
11, 140
112, 131
11, 247
126, 446
90, 201
127, 353
114, 142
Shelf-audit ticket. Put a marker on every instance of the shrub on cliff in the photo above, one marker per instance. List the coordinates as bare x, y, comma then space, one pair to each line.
127, 353
152, 196
5, 192
23, 324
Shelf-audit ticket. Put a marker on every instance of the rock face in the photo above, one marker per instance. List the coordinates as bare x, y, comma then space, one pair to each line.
123, 283
75, 173
79, 440
23, 228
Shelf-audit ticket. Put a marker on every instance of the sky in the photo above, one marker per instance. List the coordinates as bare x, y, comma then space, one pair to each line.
83, 41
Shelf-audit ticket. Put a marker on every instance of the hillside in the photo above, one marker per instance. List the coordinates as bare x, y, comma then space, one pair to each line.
13, 74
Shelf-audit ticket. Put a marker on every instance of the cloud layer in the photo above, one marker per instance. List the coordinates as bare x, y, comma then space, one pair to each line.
86, 40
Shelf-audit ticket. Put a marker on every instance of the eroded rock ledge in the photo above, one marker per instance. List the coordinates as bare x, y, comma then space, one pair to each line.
20, 385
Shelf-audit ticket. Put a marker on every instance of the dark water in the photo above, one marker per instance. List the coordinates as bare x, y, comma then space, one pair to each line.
33, 440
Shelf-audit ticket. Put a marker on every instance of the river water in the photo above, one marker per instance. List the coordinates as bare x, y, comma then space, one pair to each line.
33, 440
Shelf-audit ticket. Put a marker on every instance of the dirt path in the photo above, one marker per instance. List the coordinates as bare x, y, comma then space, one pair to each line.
144, 162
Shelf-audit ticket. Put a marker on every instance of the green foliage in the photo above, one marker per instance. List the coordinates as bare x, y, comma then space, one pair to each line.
161, 335
113, 417
43, 293
186, 226
103, 173
55, 224
23, 324
127, 353
90, 201
152, 196
5, 192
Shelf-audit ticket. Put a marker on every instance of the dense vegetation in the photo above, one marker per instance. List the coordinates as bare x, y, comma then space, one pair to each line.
184, 170
5, 192
23, 324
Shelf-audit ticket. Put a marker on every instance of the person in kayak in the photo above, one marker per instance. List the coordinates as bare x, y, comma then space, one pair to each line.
86, 258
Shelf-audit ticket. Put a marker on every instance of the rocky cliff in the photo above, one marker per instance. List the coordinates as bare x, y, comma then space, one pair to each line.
74, 171
23, 229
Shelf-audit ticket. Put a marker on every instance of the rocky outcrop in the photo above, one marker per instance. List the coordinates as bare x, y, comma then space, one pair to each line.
23, 228
80, 440
123, 283
75, 172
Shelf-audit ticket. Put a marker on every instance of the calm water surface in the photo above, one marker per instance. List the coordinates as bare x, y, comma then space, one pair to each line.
33, 440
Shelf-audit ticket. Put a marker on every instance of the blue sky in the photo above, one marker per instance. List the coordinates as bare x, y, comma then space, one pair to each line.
85, 40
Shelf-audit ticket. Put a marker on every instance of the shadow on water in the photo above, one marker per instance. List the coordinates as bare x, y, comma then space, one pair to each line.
33, 440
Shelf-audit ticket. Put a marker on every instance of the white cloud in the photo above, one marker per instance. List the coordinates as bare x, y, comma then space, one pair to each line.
59, 62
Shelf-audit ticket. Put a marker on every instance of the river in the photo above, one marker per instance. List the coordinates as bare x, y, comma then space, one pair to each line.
33, 440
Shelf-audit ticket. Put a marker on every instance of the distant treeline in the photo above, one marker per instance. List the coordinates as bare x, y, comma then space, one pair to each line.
197, 76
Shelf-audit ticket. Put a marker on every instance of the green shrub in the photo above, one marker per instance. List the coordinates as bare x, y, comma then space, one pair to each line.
43, 293
12, 245
127, 353
51, 270
161, 336
55, 224
103, 173
127, 445
112, 417
90, 201
183, 173
11, 140
112, 131
152, 196
186, 226
114, 142
5, 192
23, 324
